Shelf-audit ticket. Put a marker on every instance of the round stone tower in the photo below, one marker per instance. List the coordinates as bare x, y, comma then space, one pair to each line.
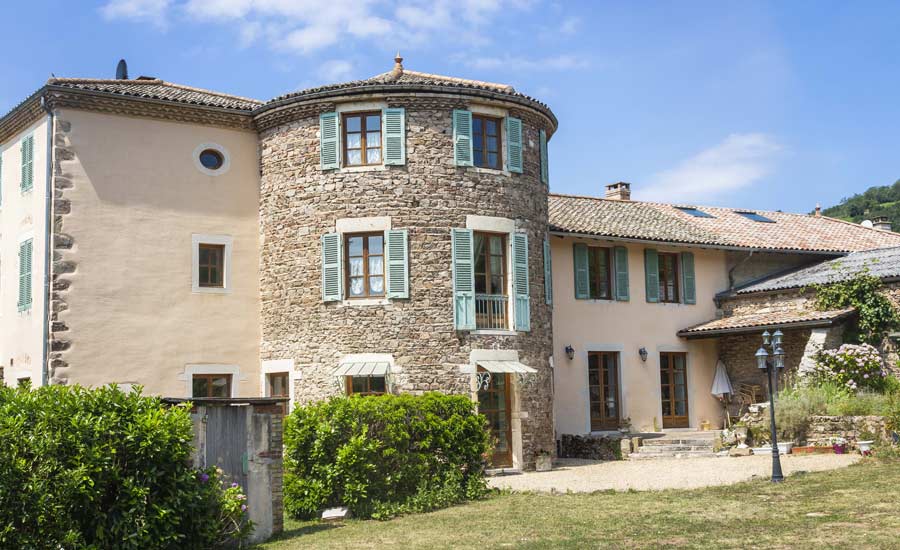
403, 228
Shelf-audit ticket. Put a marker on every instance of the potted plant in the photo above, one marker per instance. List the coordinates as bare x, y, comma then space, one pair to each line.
543, 461
839, 444
865, 442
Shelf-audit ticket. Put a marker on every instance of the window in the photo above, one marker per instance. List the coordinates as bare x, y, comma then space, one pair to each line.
211, 159
211, 385
755, 217
486, 142
362, 139
366, 385
211, 266
491, 311
694, 211
599, 268
668, 277
279, 384
365, 265
211, 263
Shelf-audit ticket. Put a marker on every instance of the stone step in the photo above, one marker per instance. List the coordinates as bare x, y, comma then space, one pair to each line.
681, 454
663, 449
663, 442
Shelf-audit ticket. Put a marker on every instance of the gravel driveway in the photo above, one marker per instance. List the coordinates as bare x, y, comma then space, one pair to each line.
585, 476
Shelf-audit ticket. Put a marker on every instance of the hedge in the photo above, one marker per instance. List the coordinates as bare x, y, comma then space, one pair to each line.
384, 455
104, 469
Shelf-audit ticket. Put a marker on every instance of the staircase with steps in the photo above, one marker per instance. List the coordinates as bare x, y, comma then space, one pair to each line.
676, 444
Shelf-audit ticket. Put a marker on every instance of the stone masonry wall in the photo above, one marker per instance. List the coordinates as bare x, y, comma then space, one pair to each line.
822, 429
428, 196
738, 354
63, 253
744, 267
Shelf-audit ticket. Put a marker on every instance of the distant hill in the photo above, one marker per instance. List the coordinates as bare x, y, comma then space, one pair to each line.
872, 203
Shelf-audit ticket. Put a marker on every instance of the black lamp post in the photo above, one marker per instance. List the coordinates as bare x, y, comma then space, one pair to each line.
777, 362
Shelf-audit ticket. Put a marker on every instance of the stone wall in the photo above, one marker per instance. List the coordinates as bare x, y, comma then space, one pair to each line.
822, 429
428, 196
591, 447
738, 353
64, 264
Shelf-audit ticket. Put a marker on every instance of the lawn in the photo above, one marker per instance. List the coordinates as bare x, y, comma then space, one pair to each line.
858, 506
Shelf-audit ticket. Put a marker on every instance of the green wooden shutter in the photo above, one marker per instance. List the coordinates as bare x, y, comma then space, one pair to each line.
520, 281
651, 274
582, 276
463, 279
688, 280
548, 273
25, 252
621, 259
394, 136
397, 252
462, 138
27, 163
332, 276
514, 144
329, 141
545, 169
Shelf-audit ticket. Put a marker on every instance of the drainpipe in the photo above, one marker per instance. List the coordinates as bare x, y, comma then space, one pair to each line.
48, 243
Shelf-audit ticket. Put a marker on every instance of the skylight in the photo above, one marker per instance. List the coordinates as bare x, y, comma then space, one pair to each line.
694, 211
755, 217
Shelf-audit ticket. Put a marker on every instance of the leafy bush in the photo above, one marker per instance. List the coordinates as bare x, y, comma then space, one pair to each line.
851, 366
100, 468
876, 314
383, 455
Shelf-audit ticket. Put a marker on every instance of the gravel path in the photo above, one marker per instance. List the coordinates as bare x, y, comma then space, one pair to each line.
585, 476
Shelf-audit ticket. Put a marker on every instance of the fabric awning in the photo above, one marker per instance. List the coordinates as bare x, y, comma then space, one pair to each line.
366, 368
721, 383
497, 367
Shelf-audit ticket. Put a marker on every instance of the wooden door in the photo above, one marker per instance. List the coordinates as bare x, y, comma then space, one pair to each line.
603, 390
673, 389
494, 403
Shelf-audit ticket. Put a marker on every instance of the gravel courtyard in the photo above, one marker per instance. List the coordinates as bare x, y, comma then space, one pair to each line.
585, 476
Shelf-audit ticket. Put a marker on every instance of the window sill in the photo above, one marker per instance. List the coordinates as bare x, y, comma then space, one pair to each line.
210, 290
481, 170
352, 169
493, 332
365, 302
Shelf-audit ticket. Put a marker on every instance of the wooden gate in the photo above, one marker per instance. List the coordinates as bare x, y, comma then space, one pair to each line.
226, 441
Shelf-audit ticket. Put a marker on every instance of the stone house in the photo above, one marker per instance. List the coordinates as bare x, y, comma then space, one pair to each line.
394, 234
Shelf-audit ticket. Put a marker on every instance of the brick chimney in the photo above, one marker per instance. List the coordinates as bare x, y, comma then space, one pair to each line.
619, 191
882, 222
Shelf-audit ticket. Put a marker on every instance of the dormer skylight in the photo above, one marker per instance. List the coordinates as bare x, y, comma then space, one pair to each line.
754, 216
694, 211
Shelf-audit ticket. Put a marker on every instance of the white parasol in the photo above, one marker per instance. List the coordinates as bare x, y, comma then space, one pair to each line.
721, 383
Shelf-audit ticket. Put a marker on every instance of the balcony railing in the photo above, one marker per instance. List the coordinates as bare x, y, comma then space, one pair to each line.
491, 311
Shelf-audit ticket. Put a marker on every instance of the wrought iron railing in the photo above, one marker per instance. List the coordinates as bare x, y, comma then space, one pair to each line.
491, 311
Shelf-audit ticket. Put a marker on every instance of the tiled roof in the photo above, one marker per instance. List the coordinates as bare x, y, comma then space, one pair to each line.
726, 228
159, 90
883, 263
752, 322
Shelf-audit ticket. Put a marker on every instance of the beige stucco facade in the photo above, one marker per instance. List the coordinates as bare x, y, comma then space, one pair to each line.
22, 217
626, 326
139, 203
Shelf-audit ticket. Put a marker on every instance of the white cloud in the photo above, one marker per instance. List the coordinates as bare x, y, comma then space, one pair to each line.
554, 63
336, 70
738, 161
570, 25
153, 11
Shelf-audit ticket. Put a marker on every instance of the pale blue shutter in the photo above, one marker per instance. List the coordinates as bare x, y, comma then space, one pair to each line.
332, 287
463, 279
520, 281
688, 280
621, 259
582, 276
514, 144
329, 141
651, 274
25, 266
545, 169
27, 163
462, 138
397, 252
548, 273
394, 136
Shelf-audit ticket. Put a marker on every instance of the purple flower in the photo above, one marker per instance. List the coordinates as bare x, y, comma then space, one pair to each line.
243, 507
234, 485
204, 477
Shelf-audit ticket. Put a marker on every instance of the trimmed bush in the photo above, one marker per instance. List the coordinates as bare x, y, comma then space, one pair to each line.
101, 469
383, 455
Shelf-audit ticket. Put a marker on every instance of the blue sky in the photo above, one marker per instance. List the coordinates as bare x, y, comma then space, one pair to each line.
768, 105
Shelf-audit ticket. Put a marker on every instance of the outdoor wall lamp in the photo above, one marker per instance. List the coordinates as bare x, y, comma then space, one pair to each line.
643, 353
570, 352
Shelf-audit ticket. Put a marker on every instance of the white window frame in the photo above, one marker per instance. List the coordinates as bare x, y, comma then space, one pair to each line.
502, 114
278, 366
191, 370
196, 241
368, 224
226, 159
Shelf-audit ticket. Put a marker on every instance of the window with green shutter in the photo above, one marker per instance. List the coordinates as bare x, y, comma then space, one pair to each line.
545, 169
397, 251
25, 269
621, 268
514, 144
394, 136
463, 279
582, 272
651, 274
332, 287
548, 273
462, 137
520, 281
27, 163
329, 141
688, 279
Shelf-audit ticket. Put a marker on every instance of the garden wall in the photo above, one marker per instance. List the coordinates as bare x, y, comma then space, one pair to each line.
823, 428
591, 447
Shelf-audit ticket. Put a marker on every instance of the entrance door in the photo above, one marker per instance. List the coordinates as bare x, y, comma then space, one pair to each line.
603, 388
493, 402
673, 382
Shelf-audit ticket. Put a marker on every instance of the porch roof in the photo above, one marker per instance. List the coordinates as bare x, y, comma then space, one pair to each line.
752, 322
363, 368
497, 367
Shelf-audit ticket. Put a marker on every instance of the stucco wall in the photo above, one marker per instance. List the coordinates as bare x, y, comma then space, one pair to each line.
135, 195
602, 325
22, 216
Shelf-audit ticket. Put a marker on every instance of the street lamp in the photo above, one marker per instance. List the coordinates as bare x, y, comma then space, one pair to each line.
777, 362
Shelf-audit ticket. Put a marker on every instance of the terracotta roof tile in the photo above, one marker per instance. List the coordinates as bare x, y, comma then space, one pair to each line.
752, 322
159, 90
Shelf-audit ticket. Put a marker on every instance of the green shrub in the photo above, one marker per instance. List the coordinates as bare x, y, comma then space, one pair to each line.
99, 469
851, 366
385, 455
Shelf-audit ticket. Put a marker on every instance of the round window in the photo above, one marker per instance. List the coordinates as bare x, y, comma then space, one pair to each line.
211, 159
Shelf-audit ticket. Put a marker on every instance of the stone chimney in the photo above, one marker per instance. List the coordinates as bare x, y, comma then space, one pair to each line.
882, 222
619, 191
818, 213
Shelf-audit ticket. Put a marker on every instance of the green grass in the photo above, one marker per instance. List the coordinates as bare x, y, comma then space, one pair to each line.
858, 506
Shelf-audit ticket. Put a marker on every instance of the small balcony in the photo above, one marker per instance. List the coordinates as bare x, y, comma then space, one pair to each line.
491, 311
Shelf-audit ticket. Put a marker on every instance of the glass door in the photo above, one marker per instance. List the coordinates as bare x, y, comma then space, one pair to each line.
673, 389
603, 389
493, 402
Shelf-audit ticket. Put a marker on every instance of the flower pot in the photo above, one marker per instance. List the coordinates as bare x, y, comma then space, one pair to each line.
543, 463
865, 447
812, 450
839, 449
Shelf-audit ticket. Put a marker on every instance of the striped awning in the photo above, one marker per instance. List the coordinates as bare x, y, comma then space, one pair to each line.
368, 368
505, 366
